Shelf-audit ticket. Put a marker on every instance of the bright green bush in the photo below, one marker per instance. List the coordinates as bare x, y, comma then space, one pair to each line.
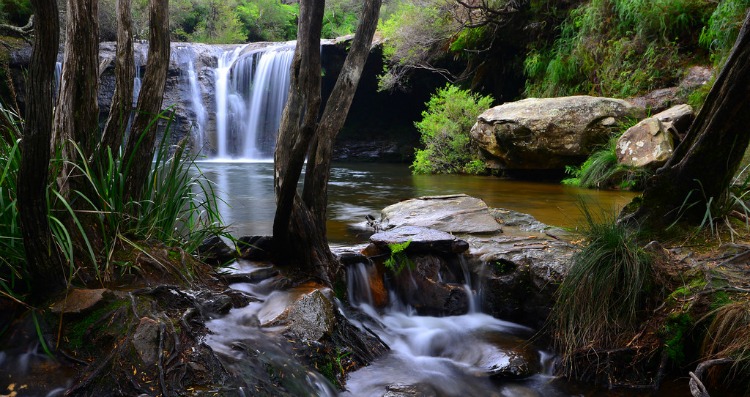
445, 127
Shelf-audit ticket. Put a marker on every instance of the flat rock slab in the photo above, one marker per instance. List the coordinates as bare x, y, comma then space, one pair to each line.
458, 213
421, 240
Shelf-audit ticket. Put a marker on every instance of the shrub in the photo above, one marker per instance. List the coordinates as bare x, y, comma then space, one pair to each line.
445, 127
606, 286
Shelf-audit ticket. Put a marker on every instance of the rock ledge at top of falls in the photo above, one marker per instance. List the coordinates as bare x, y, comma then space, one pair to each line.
520, 265
458, 213
548, 133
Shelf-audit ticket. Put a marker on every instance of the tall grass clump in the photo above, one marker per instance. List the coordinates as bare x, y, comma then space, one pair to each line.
601, 171
606, 287
445, 127
728, 336
720, 32
178, 207
12, 255
89, 223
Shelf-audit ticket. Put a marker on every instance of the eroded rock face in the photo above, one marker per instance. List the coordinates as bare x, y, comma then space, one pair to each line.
451, 214
548, 133
650, 143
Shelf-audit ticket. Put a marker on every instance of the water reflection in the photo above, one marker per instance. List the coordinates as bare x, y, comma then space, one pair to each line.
360, 189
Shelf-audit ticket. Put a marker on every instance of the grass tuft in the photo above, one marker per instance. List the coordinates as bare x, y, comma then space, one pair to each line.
605, 288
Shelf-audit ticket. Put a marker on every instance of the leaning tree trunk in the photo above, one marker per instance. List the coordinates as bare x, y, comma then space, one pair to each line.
315, 193
43, 261
77, 111
299, 223
122, 101
140, 146
702, 166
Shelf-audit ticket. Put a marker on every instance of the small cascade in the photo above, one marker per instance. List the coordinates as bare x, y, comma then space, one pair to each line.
251, 91
461, 355
58, 76
472, 290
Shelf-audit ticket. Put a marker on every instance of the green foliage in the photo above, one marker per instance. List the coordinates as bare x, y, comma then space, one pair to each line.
719, 34
268, 20
445, 127
220, 24
15, 12
340, 18
398, 259
675, 332
415, 33
616, 48
607, 285
178, 208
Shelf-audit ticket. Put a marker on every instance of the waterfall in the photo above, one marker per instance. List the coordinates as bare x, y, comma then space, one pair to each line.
251, 91
223, 99
196, 101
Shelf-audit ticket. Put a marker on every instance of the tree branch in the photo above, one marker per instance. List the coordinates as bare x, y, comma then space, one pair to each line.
23, 32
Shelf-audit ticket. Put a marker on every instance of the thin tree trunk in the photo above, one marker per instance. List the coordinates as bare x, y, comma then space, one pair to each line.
703, 166
299, 223
122, 101
315, 191
43, 261
77, 112
140, 147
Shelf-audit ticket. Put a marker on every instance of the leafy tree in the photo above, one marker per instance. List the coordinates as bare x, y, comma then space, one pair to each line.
268, 20
220, 24
445, 127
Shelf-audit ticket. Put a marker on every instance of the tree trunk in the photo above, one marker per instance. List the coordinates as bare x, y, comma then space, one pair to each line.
299, 223
43, 260
77, 112
122, 101
703, 166
315, 193
140, 146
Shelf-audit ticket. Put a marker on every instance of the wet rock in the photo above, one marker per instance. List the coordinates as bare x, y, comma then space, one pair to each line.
146, 340
255, 276
421, 240
415, 390
81, 300
458, 213
431, 287
664, 98
513, 390
212, 304
255, 248
517, 367
377, 150
214, 251
548, 133
312, 316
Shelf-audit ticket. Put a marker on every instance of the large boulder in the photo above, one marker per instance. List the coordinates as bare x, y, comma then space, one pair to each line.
650, 143
548, 133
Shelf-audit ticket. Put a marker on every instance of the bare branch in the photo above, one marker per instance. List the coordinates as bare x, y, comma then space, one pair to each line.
23, 32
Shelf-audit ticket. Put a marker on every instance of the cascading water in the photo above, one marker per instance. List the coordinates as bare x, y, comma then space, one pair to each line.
251, 91
443, 356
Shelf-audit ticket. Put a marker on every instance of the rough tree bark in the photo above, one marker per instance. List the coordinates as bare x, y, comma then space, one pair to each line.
140, 146
43, 262
77, 111
703, 165
122, 101
299, 224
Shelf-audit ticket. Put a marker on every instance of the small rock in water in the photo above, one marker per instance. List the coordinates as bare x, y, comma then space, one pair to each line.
417, 390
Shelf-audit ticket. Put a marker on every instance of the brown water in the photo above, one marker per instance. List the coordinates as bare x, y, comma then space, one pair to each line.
357, 190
